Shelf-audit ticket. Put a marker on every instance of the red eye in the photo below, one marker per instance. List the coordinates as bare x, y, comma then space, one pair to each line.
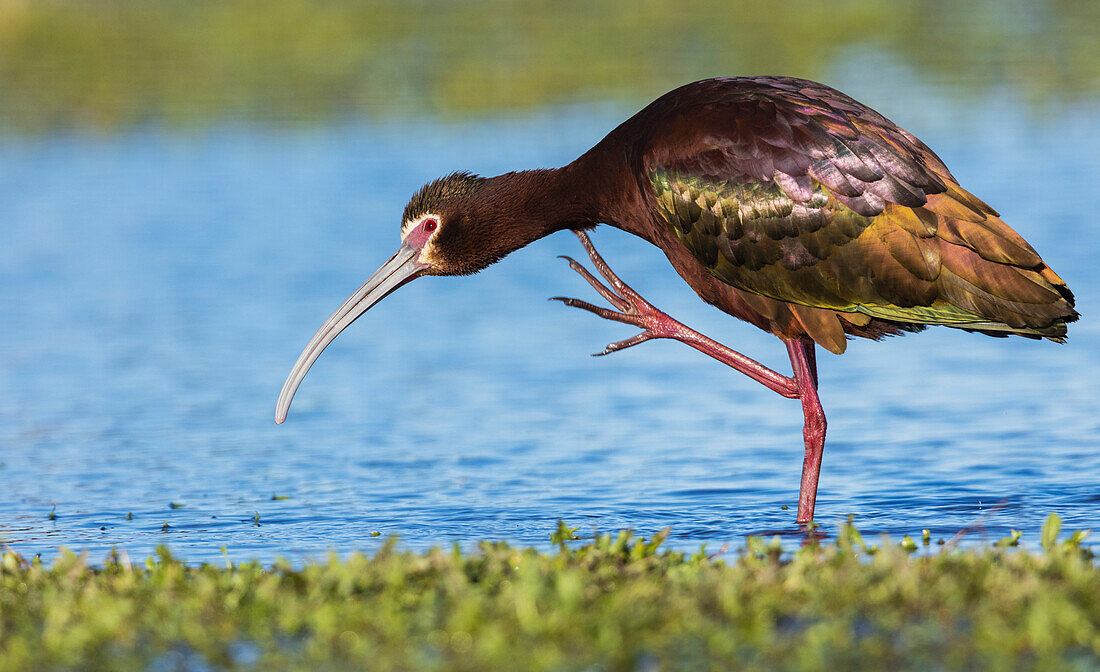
430, 224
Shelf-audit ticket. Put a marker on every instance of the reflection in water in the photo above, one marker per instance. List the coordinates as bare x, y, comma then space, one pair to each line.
154, 290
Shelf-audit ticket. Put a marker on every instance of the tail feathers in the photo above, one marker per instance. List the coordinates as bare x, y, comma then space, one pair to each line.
950, 315
991, 280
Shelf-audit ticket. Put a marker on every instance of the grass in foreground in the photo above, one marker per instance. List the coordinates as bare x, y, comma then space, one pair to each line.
614, 603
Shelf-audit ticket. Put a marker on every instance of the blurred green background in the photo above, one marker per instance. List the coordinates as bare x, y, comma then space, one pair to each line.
114, 64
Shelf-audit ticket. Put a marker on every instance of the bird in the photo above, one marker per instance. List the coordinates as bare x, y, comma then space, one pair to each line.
780, 201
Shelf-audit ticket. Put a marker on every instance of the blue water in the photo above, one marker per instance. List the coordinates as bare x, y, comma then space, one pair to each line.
155, 289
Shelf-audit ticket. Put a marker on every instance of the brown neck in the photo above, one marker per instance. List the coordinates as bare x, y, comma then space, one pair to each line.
542, 201
522, 207
607, 173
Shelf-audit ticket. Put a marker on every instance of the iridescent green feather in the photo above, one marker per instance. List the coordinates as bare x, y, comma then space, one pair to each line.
820, 253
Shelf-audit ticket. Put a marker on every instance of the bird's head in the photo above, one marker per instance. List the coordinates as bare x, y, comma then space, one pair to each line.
451, 225
456, 225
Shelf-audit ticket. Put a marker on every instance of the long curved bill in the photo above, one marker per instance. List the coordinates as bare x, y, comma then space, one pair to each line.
401, 268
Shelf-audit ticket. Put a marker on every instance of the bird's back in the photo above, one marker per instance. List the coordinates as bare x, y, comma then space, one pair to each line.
791, 205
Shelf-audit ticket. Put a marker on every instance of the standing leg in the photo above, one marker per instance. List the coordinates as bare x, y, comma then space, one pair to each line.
811, 359
804, 363
633, 309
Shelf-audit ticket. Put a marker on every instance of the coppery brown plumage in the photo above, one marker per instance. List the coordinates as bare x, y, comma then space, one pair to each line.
827, 219
781, 201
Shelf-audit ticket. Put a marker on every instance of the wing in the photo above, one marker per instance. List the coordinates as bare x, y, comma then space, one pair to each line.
793, 191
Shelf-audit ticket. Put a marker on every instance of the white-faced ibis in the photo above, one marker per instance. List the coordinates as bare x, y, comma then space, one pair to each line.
780, 201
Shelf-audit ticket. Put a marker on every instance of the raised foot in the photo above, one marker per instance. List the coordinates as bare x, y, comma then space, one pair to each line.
631, 308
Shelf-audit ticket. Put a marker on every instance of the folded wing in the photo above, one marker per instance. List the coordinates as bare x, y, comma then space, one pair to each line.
795, 192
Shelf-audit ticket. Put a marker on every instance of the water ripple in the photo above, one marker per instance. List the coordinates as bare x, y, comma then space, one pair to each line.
155, 291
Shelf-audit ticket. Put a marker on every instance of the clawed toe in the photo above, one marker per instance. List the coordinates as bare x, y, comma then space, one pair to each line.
609, 314
612, 298
605, 313
630, 307
625, 343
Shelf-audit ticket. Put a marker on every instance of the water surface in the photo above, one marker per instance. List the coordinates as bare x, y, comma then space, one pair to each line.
155, 290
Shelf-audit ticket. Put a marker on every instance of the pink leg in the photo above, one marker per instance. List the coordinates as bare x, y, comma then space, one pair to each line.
633, 309
804, 363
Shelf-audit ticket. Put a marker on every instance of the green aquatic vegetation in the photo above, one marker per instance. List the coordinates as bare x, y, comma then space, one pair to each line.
279, 498
1050, 531
563, 534
1012, 540
175, 505
610, 602
1076, 538
53, 513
